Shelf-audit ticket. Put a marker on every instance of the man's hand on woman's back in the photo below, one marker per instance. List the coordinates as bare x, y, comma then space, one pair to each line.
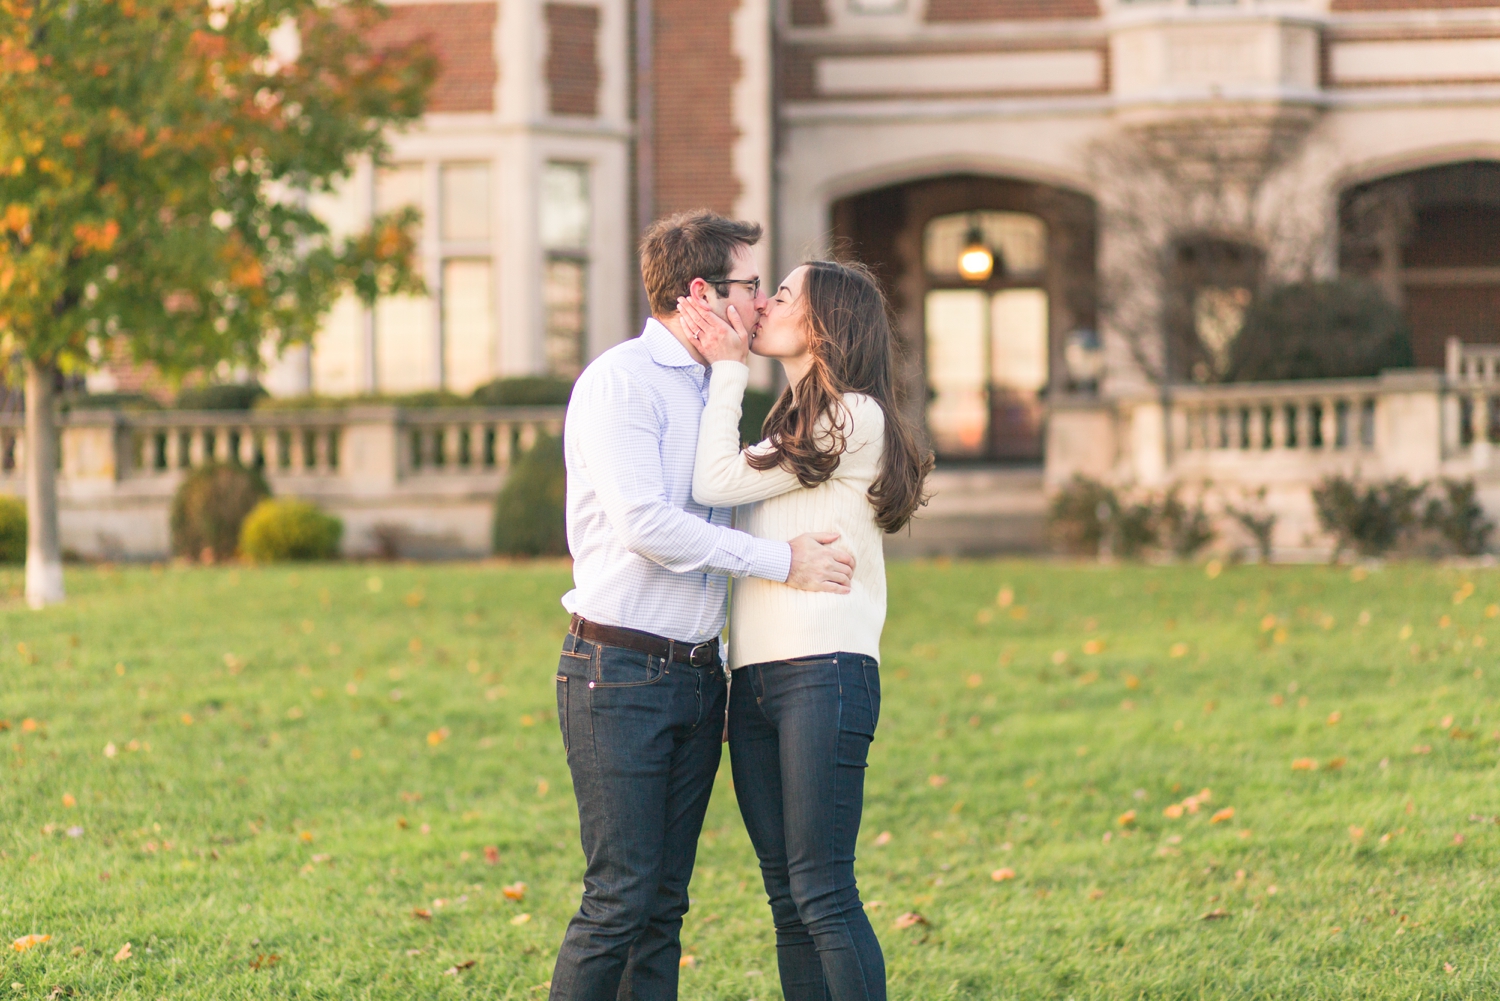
817, 565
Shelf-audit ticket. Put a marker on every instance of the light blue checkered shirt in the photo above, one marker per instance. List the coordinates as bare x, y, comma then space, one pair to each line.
645, 554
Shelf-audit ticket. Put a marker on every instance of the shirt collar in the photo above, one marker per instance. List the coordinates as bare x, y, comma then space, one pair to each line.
666, 350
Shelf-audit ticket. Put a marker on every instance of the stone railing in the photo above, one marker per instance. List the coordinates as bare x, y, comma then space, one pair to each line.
418, 482
1473, 377
1269, 444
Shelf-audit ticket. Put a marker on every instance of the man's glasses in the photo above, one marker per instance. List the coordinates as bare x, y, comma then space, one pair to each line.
751, 283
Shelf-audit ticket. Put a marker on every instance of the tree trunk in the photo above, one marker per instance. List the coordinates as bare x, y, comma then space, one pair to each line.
44, 572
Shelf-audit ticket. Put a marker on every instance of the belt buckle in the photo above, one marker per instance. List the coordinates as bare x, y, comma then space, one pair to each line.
701, 655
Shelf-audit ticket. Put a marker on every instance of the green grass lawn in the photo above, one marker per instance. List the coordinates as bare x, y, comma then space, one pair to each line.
284, 783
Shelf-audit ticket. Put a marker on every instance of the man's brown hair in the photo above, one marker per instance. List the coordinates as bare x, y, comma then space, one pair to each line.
688, 245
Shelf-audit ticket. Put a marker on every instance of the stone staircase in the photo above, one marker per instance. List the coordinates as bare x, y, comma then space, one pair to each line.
977, 511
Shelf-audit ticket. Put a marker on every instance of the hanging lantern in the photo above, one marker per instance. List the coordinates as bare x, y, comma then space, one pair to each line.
976, 262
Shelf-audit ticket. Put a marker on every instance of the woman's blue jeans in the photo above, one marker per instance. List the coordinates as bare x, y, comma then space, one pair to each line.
799, 734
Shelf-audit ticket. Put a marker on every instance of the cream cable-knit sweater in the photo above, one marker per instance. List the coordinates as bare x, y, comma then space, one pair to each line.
770, 621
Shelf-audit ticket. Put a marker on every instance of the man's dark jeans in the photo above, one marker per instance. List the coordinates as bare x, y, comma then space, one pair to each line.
643, 741
799, 733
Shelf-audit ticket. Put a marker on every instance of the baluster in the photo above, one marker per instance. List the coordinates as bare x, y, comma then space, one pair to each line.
451, 445
1479, 422
320, 451
503, 434
528, 436
247, 447
296, 442
476, 447
1328, 424
195, 448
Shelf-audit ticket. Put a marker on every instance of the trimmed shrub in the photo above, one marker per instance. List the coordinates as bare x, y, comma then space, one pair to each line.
525, 391
1458, 518
1078, 515
1089, 518
1256, 520
226, 396
1133, 529
1184, 530
529, 513
210, 506
1368, 518
290, 529
12, 530
1340, 329
110, 401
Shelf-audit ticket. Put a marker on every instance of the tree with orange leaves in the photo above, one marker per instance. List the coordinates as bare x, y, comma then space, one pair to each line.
157, 158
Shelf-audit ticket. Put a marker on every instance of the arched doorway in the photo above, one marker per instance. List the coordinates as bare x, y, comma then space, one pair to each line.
1431, 239
984, 347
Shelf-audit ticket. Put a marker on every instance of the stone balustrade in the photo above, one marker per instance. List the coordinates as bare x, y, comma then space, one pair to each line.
406, 482
1269, 444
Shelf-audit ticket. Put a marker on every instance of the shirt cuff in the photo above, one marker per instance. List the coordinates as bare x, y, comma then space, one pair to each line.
771, 560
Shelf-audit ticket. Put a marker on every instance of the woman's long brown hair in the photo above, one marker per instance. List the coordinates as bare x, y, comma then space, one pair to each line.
853, 348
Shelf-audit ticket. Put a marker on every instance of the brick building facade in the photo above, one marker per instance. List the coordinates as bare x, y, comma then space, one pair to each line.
898, 129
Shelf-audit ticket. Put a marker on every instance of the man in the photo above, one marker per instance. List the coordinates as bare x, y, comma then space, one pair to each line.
641, 691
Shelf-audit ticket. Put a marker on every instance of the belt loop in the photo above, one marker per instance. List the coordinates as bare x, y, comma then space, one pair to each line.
671, 652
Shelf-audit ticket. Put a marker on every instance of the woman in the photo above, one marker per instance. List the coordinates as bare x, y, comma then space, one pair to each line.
805, 695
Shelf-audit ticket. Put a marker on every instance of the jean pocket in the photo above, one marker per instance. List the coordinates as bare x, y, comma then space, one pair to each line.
614, 667
854, 748
859, 697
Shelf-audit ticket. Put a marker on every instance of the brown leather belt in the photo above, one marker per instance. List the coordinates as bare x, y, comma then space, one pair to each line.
695, 654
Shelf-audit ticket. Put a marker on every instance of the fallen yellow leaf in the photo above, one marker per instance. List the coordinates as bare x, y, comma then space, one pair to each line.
1225, 814
123, 954
29, 941
515, 891
1002, 874
520, 919
1304, 765
909, 920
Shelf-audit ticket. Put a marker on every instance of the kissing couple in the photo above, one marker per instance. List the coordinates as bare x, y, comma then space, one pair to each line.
664, 506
